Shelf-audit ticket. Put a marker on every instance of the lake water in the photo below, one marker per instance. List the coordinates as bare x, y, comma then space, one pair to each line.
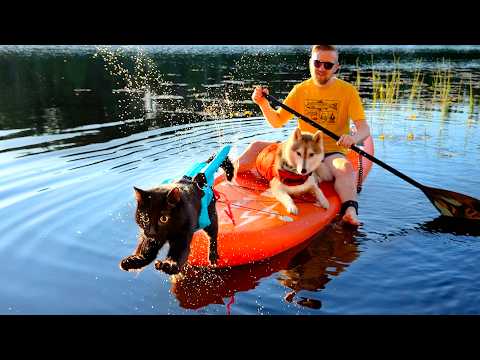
81, 125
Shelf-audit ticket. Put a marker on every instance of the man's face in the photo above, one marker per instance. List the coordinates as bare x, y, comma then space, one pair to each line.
323, 59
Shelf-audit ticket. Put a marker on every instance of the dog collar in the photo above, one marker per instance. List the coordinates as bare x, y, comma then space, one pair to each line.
291, 179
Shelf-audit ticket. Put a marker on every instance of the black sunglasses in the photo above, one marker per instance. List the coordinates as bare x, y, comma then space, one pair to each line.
326, 64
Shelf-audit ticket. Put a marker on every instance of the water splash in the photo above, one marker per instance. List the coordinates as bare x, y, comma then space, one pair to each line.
136, 76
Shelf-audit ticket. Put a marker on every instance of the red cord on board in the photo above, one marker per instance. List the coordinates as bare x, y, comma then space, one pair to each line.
232, 301
228, 210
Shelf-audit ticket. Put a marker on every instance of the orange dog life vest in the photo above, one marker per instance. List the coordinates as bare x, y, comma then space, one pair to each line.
265, 164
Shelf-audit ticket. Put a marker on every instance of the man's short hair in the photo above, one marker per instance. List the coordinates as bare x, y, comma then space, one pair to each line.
324, 48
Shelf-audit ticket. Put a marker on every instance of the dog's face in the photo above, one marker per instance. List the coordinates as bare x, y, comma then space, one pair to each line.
304, 151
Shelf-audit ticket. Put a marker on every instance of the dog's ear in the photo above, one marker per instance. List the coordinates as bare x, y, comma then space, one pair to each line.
297, 135
173, 196
318, 138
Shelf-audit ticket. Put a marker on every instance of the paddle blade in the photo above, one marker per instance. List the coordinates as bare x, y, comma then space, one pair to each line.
453, 204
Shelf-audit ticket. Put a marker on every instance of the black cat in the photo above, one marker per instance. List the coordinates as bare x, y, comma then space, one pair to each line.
169, 213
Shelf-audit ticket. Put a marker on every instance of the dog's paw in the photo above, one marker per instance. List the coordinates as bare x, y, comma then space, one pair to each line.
292, 209
131, 262
169, 267
324, 203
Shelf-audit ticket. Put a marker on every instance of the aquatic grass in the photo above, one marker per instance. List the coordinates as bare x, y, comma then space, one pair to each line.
374, 85
385, 90
435, 83
426, 91
442, 87
388, 89
445, 92
415, 89
460, 94
414, 97
420, 88
358, 79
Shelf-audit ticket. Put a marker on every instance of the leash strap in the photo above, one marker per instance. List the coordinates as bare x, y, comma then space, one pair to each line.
228, 210
360, 174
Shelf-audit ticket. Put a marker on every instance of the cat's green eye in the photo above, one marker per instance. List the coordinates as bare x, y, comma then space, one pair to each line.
163, 219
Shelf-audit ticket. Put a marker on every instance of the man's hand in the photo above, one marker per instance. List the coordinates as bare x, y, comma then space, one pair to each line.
257, 95
347, 141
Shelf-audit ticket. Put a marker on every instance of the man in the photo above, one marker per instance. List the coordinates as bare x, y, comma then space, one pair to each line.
332, 103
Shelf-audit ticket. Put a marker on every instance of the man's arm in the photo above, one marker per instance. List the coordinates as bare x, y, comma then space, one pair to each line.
270, 114
363, 131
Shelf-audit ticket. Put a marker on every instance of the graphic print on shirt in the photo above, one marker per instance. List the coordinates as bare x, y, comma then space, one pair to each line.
322, 111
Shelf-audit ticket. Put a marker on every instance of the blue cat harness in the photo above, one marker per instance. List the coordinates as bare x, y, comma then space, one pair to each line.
208, 169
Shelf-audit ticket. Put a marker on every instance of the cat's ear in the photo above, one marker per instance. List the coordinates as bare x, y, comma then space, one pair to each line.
139, 194
173, 196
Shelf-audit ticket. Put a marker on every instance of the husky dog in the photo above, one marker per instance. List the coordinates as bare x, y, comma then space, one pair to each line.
294, 167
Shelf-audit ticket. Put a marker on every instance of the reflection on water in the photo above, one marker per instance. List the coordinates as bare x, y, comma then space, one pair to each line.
199, 287
326, 257
448, 225
309, 266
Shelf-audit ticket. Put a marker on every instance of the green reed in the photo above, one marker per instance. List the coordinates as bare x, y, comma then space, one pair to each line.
445, 91
374, 85
416, 82
460, 94
358, 79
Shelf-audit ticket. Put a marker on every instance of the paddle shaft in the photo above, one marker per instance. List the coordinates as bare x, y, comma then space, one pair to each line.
353, 147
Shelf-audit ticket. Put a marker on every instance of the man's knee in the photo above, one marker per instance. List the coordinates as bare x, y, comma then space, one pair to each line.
342, 167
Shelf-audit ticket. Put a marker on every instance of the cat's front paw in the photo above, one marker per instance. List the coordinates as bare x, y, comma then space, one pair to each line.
169, 267
132, 262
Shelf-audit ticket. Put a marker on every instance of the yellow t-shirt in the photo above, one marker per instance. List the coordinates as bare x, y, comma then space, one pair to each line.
332, 107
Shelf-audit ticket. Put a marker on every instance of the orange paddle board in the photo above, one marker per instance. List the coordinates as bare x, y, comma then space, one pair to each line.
260, 226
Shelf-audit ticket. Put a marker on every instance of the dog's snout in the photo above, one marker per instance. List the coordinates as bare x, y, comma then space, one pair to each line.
304, 171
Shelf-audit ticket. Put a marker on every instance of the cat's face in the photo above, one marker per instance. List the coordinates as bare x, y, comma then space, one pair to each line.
157, 209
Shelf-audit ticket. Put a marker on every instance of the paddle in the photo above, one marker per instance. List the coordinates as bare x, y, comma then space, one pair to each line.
448, 203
